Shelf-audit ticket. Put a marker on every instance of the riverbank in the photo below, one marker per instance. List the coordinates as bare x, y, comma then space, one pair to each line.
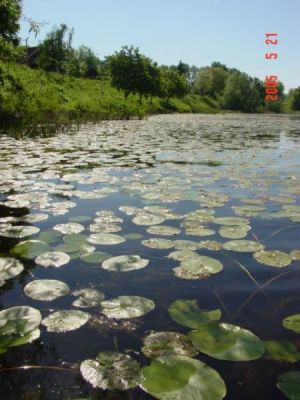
28, 95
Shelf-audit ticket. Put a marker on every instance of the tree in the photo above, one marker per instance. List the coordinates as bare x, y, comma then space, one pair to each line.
294, 99
275, 106
210, 81
83, 62
10, 12
56, 50
172, 83
133, 72
241, 93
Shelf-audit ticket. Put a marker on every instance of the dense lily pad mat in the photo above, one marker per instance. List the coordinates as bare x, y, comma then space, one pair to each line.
169, 237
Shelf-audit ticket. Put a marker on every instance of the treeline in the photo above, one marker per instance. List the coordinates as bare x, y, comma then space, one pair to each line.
132, 72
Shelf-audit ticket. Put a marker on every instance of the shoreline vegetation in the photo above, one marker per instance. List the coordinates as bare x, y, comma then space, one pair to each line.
54, 82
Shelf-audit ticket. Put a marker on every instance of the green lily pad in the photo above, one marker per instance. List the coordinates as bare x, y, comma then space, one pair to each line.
133, 236
230, 221
65, 320
124, 307
200, 267
19, 320
46, 289
165, 343
18, 231
227, 342
52, 259
292, 323
158, 243
80, 218
273, 258
281, 350
243, 246
15, 340
49, 236
113, 371
234, 232
295, 254
30, 249
105, 239
163, 230
176, 377
10, 268
88, 298
95, 258
148, 219
181, 255
188, 313
125, 263
289, 384
76, 239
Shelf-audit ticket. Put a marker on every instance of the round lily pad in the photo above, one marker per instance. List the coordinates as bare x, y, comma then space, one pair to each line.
124, 307
49, 236
289, 384
18, 231
181, 255
165, 343
95, 257
65, 320
295, 254
113, 371
30, 249
243, 246
158, 243
292, 323
125, 263
273, 258
88, 298
198, 268
188, 313
234, 232
281, 350
227, 342
52, 259
69, 228
176, 377
148, 219
19, 320
46, 289
163, 230
105, 239
9, 268
230, 221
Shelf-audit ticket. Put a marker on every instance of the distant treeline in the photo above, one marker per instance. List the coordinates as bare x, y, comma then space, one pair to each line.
133, 73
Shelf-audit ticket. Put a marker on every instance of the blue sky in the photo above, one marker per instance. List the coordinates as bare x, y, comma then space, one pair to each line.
194, 31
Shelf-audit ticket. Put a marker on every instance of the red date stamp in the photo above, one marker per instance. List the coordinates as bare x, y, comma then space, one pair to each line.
271, 84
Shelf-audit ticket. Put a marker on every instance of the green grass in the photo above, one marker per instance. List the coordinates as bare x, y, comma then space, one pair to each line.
28, 95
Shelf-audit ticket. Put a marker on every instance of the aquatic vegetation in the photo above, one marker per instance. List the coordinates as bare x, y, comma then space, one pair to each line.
46, 289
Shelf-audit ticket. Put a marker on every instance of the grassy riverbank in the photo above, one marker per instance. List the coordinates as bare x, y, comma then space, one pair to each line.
28, 95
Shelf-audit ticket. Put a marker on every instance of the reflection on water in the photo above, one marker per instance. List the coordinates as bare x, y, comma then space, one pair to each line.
124, 178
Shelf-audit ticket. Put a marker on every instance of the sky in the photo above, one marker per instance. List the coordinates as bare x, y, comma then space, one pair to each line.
197, 32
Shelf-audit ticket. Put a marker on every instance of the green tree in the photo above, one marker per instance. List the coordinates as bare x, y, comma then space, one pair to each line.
172, 83
294, 99
83, 62
10, 12
55, 52
241, 93
210, 81
132, 72
276, 106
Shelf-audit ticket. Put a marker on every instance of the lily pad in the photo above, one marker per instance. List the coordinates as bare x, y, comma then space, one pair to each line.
292, 323
289, 384
230, 221
188, 313
10, 268
94, 258
176, 377
18, 231
163, 230
234, 232
52, 259
148, 219
124, 307
49, 236
46, 289
281, 350
243, 246
273, 258
114, 371
165, 343
69, 228
30, 249
105, 239
227, 342
19, 320
88, 298
65, 320
198, 268
158, 243
125, 263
